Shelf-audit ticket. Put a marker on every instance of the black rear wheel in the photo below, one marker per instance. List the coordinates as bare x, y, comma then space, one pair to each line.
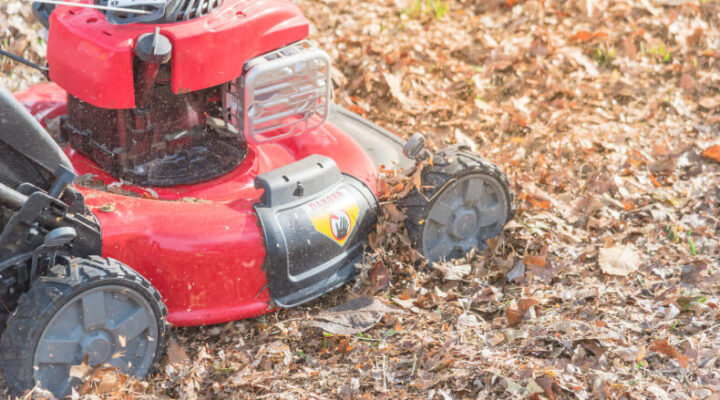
466, 201
96, 310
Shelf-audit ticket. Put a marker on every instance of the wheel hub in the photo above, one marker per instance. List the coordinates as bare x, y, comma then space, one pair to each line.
465, 222
99, 324
466, 213
97, 346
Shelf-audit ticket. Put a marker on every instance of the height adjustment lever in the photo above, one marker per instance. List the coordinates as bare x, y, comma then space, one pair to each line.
63, 178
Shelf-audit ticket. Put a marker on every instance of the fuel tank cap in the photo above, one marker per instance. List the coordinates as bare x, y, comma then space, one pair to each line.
153, 47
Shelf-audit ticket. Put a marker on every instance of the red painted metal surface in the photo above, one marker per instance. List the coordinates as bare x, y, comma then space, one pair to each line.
200, 245
92, 59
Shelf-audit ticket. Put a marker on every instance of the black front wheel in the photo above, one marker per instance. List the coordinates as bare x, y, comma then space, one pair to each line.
93, 310
466, 201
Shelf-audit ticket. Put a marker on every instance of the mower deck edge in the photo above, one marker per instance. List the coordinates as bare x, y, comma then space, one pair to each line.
383, 147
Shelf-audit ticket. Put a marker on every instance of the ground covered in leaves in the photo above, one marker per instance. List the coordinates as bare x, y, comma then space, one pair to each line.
606, 117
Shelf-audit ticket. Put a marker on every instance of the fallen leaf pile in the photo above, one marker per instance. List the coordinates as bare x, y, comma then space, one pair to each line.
20, 34
606, 117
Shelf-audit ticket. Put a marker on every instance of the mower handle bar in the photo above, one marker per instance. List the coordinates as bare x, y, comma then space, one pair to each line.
15, 200
11, 197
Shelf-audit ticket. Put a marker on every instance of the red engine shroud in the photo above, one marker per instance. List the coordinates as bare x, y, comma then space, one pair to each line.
200, 245
92, 59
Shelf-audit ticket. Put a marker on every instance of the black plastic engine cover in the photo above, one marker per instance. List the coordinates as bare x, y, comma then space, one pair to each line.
315, 221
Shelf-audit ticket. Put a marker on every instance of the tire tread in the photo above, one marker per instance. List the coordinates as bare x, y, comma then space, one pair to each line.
449, 164
46, 295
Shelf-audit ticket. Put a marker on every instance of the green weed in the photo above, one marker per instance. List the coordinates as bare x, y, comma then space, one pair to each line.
661, 54
674, 236
438, 9
604, 56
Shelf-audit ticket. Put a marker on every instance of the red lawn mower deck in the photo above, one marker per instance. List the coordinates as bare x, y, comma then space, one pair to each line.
200, 154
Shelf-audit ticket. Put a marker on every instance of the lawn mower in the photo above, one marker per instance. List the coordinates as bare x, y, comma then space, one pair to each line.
187, 166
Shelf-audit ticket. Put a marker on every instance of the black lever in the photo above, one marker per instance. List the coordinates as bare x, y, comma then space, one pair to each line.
29, 63
63, 178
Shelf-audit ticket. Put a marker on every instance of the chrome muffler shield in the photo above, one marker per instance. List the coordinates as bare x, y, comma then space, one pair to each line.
281, 94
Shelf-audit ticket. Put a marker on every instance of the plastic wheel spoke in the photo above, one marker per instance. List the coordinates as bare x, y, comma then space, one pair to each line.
440, 250
93, 310
491, 216
57, 351
118, 361
133, 325
441, 213
475, 191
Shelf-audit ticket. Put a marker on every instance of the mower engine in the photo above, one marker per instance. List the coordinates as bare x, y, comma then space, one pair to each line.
144, 122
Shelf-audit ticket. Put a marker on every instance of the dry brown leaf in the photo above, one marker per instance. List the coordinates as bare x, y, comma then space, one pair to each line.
619, 260
81, 371
640, 354
712, 153
525, 304
415, 181
354, 316
497, 339
537, 199
687, 82
542, 268
710, 102
408, 305
379, 279
662, 346
546, 382
395, 85
391, 211
585, 36
108, 382
629, 47
516, 311
176, 354
453, 272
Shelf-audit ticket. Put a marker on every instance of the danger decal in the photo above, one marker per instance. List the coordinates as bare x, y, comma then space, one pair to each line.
334, 215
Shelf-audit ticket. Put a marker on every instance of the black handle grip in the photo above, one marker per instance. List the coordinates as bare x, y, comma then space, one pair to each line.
11, 197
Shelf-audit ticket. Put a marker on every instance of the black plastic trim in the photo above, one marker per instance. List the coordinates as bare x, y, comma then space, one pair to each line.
384, 148
303, 263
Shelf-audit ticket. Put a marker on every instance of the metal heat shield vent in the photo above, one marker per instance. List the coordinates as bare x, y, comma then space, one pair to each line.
282, 93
